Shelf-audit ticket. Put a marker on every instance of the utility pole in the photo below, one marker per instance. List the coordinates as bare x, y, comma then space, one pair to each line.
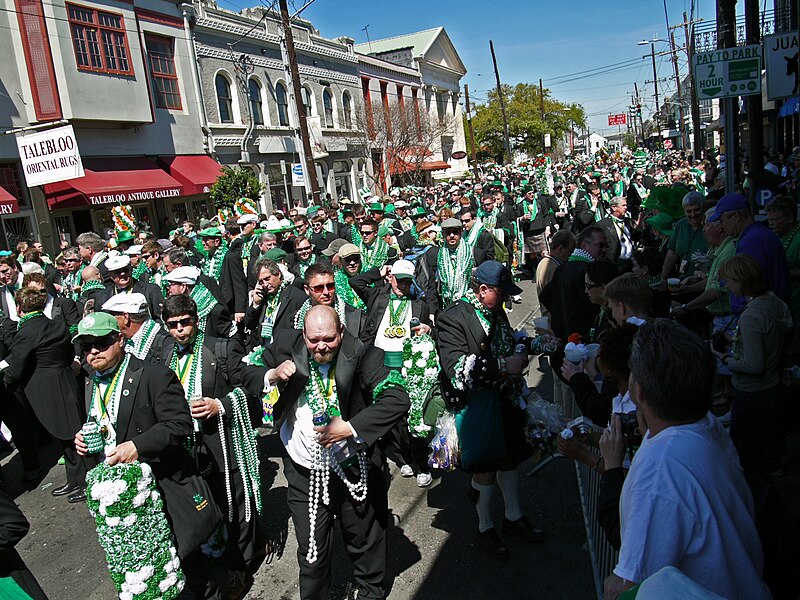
697, 134
684, 142
726, 38
471, 133
755, 125
655, 87
506, 137
309, 168
638, 111
541, 114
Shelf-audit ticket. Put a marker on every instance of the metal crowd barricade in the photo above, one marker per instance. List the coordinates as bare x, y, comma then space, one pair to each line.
602, 555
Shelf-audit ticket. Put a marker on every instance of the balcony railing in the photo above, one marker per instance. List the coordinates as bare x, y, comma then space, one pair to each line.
770, 21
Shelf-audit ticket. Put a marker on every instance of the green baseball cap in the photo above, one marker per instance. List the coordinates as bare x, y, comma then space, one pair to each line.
97, 324
210, 232
275, 254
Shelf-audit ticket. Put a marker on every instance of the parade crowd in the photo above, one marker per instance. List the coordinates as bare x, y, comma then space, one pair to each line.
363, 329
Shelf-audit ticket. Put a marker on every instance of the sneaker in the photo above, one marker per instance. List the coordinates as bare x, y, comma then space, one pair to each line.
407, 471
424, 479
516, 299
522, 529
491, 542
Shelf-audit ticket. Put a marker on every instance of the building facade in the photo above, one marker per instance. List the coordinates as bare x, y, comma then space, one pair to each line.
248, 101
122, 74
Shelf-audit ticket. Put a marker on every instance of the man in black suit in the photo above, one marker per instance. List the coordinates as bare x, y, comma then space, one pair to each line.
302, 257
150, 424
320, 237
91, 248
215, 391
122, 282
10, 281
273, 305
448, 283
486, 374
588, 209
619, 231
186, 281
565, 298
229, 274
320, 287
145, 336
324, 359
179, 257
40, 363
482, 240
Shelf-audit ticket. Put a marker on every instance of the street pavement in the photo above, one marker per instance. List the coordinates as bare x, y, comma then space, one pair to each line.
433, 550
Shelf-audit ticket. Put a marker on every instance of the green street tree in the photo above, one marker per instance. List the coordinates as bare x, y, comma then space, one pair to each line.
525, 124
235, 183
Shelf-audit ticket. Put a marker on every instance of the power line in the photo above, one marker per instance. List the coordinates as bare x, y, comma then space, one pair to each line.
629, 61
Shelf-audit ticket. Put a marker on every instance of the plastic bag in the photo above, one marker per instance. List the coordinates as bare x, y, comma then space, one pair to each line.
545, 422
445, 449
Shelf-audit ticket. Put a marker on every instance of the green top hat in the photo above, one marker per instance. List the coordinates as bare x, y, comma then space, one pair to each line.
210, 232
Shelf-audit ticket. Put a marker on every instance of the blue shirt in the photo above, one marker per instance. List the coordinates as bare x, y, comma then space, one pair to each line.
761, 243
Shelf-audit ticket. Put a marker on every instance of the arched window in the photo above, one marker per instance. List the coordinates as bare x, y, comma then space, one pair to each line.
347, 109
256, 110
283, 105
308, 104
327, 104
224, 98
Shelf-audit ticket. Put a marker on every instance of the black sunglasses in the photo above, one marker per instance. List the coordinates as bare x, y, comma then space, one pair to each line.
318, 289
98, 343
185, 322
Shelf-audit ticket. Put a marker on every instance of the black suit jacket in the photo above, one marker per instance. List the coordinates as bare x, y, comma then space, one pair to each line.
291, 299
232, 279
370, 288
583, 216
152, 293
565, 297
460, 333
484, 247
40, 360
614, 245
13, 527
359, 370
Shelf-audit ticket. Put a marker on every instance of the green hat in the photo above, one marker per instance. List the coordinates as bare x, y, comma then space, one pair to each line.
661, 222
210, 232
97, 324
312, 210
124, 236
418, 211
383, 230
389, 208
275, 254
376, 207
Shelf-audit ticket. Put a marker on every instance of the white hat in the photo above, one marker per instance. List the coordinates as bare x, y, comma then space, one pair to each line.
403, 269
187, 275
117, 262
247, 218
126, 303
134, 250
394, 192
454, 188
401, 204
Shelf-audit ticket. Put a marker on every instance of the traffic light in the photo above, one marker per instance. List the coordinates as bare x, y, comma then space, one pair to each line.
639, 111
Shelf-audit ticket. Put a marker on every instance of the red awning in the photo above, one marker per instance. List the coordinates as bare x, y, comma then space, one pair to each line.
196, 173
113, 180
8, 203
414, 159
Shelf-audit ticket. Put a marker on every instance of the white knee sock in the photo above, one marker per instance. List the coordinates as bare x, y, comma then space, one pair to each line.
509, 485
483, 505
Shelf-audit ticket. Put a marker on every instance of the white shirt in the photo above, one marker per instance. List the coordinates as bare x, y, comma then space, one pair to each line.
109, 420
685, 503
393, 344
297, 431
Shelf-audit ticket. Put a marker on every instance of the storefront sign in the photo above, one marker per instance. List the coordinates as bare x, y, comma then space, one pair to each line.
49, 156
298, 179
728, 72
783, 70
135, 196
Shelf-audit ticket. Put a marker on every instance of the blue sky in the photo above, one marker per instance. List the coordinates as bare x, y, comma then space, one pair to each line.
549, 39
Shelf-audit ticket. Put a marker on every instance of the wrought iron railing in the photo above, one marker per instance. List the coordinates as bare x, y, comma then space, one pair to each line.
770, 21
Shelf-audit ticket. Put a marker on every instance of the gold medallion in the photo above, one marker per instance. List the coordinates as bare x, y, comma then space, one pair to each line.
104, 431
400, 331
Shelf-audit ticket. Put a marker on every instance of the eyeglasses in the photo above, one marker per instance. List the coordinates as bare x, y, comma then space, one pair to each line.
449, 232
368, 232
467, 220
99, 344
352, 259
591, 286
323, 287
175, 323
145, 256
303, 249
72, 260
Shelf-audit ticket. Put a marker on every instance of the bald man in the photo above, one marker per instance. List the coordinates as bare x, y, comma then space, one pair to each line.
325, 375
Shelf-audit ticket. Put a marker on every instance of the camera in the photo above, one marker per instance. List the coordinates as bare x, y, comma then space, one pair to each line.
630, 429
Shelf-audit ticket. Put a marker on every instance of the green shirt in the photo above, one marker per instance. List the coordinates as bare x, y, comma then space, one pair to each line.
722, 305
685, 241
792, 245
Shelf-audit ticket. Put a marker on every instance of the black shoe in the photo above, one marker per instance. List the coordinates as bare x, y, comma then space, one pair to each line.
523, 529
492, 543
65, 489
79, 495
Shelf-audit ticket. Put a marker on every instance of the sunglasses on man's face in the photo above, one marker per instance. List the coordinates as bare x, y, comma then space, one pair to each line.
175, 323
449, 232
323, 287
303, 248
99, 344
368, 232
